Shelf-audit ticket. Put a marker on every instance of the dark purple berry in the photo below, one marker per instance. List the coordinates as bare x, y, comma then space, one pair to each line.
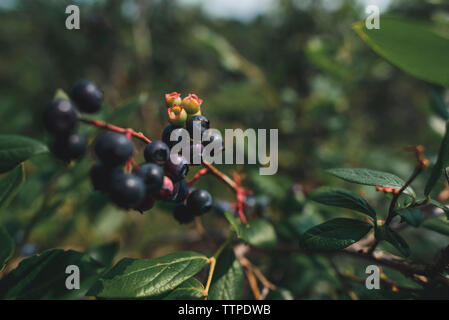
153, 177
113, 148
87, 97
60, 117
157, 152
166, 134
180, 191
197, 123
182, 214
69, 147
101, 176
146, 204
127, 190
176, 167
199, 202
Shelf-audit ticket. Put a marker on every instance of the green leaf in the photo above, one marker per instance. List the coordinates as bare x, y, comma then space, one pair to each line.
43, 276
6, 247
10, 185
234, 223
441, 206
437, 226
342, 198
191, 289
442, 162
413, 216
104, 253
227, 281
438, 105
334, 234
259, 233
16, 149
280, 294
411, 45
386, 234
142, 278
371, 178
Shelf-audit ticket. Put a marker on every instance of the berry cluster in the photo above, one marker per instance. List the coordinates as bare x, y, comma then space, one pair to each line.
186, 115
61, 119
130, 186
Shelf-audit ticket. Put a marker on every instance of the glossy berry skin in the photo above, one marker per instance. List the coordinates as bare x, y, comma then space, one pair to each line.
146, 204
180, 191
157, 152
153, 177
87, 97
210, 136
69, 147
101, 176
199, 202
167, 133
60, 117
127, 190
200, 123
113, 148
176, 167
182, 214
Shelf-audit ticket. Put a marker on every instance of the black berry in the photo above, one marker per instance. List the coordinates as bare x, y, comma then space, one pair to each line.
146, 204
152, 175
176, 167
127, 190
199, 202
157, 152
167, 133
60, 117
180, 191
182, 214
87, 97
69, 147
199, 123
113, 148
101, 176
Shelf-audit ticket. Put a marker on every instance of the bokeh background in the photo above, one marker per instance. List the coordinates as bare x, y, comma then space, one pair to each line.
288, 64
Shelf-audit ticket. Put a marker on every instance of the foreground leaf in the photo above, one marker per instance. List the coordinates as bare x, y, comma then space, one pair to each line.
437, 225
442, 162
413, 216
371, 178
386, 234
6, 247
104, 253
191, 289
342, 198
441, 206
43, 276
141, 278
259, 233
10, 185
334, 234
16, 149
227, 282
412, 46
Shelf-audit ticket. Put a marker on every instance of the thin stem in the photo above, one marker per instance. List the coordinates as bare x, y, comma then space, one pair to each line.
212, 262
107, 126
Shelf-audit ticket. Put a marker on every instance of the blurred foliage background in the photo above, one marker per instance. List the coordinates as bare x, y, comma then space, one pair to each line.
296, 66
